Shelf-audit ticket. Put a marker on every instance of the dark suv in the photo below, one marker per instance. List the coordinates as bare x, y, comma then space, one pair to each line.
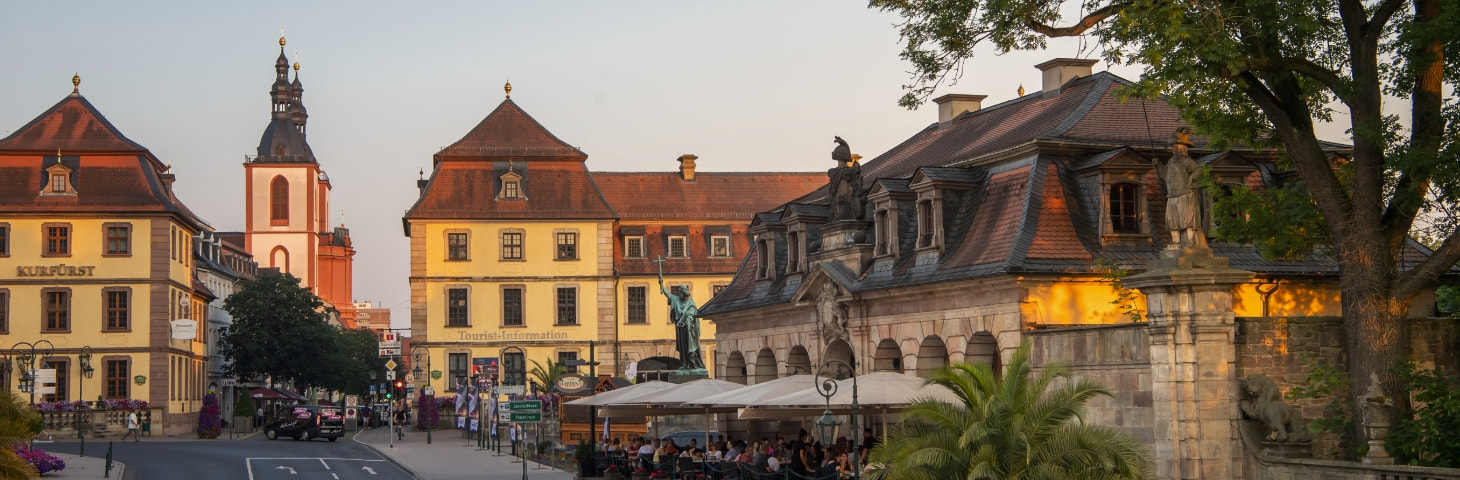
305, 422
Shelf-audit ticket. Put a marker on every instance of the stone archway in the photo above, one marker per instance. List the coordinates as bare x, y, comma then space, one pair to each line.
765, 366
839, 350
798, 362
887, 357
932, 355
983, 348
734, 368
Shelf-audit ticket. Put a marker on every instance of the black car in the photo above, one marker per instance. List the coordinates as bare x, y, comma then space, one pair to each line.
306, 422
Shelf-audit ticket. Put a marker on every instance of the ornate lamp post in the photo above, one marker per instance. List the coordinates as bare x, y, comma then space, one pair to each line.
86, 372
26, 361
416, 354
827, 387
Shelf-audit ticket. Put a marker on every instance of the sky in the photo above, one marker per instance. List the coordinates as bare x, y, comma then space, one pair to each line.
746, 86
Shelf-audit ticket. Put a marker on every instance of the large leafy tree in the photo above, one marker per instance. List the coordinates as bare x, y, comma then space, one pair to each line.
1266, 72
280, 330
1021, 425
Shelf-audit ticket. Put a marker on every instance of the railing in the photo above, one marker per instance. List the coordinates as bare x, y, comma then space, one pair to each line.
1313, 468
101, 422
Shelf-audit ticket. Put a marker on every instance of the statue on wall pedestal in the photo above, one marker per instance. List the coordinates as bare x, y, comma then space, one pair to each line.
1264, 402
831, 314
1183, 194
846, 184
685, 314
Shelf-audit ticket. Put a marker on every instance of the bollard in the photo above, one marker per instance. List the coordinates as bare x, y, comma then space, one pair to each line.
108, 472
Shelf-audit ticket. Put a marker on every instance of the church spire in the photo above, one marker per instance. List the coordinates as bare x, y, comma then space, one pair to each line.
282, 92
297, 112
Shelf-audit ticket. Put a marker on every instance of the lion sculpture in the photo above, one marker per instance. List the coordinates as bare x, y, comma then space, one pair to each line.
1264, 403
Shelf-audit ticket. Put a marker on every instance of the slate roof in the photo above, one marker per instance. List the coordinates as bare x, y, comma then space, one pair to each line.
1023, 215
109, 172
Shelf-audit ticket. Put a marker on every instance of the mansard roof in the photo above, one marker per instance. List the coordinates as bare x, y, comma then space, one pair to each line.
510, 132
549, 190
711, 196
72, 125
1026, 211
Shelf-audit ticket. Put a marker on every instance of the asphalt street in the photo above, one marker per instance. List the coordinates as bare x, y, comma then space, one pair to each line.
254, 458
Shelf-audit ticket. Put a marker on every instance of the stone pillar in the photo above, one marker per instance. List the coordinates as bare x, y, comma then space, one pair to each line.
1193, 363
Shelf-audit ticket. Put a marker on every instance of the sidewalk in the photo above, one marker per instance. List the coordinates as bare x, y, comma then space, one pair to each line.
450, 457
85, 467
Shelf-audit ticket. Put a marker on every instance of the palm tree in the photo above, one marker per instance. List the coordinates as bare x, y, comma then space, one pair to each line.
547, 375
1022, 425
17, 426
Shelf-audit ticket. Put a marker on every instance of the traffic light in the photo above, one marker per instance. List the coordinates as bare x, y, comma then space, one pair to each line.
400, 387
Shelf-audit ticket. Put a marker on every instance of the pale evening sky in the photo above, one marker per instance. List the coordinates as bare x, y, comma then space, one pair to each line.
747, 86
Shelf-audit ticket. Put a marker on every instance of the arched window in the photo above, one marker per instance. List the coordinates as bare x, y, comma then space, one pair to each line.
763, 259
793, 252
1124, 215
925, 223
279, 258
279, 200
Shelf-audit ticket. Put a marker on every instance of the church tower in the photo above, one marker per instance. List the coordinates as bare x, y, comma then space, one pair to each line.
287, 195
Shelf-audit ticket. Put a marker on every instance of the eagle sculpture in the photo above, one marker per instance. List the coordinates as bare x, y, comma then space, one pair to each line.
842, 153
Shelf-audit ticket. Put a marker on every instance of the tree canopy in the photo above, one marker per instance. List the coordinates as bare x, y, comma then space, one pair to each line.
1265, 73
281, 331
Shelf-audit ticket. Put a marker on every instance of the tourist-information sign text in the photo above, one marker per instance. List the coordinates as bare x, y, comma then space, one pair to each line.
390, 352
526, 406
525, 417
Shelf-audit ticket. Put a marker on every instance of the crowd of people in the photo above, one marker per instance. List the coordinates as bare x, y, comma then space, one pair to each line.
804, 456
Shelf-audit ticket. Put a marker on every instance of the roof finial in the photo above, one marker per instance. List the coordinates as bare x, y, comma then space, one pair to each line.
76, 83
509, 166
58, 156
281, 36
296, 62
508, 88
1021, 89
422, 174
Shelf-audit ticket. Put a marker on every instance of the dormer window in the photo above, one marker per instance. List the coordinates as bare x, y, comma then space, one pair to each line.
634, 247
763, 252
511, 186
886, 232
793, 252
58, 180
678, 247
509, 190
58, 183
1125, 213
927, 225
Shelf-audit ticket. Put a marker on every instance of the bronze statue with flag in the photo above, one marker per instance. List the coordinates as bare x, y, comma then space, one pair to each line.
685, 314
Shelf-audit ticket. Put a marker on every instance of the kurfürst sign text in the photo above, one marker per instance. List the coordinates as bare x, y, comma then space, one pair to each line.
61, 270
493, 336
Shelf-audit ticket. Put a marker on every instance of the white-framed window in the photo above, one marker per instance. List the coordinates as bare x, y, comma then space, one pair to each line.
512, 244
458, 312
567, 298
634, 246
720, 246
458, 245
567, 245
1125, 213
678, 246
509, 190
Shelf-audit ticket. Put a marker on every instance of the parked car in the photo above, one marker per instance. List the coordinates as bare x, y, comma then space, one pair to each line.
306, 422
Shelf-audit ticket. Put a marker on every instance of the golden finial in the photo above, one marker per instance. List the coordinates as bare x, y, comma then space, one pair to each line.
508, 88
1021, 89
76, 83
296, 66
281, 36
422, 174
58, 156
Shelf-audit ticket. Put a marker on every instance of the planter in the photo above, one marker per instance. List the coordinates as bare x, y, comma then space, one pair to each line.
586, 467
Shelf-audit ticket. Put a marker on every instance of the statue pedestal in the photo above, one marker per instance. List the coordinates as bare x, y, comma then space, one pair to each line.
686, 376
844, 241
1193, 363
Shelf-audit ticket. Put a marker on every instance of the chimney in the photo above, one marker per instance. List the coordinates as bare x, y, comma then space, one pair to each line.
952, 105
1060, 71
167, 179
687, 167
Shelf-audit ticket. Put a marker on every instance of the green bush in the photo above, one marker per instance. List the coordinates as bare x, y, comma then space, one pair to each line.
1424, 434
245, 406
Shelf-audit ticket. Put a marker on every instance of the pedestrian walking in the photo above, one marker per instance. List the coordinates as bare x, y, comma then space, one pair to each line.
132, 425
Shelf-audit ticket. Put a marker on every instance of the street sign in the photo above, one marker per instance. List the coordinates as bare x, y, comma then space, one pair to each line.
512, 389
410, 377
372, 389
352, 400
390, 352
390, 374
525, 417
526, 405
390, 364
390, 337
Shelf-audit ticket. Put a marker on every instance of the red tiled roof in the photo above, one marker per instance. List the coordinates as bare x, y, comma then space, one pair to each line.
72, 126
468, 189
509, 131
732, 197
996, 225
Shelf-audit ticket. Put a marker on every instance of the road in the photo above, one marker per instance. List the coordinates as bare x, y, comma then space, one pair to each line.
252, 459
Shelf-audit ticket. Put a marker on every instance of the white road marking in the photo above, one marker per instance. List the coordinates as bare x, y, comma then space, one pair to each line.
248, 463
336, 475
326, 465
290, 469
368, 469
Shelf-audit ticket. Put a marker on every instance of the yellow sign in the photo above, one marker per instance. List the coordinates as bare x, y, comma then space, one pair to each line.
61, 270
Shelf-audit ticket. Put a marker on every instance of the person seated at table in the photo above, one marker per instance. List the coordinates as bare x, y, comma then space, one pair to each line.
731, 452
829, 468
646, 454
714, 454
773, 463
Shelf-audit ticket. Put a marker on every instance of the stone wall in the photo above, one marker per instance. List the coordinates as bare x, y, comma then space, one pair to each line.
1117, 356
1286, 350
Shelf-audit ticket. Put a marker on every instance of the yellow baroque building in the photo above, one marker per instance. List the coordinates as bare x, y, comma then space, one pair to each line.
95, 256
515, 244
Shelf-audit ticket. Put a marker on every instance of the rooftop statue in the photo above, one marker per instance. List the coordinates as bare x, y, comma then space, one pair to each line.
846, 184
1183, 194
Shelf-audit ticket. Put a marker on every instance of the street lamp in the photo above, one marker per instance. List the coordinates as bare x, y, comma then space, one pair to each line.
416, 354
827, 387
26, 361
86, 372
